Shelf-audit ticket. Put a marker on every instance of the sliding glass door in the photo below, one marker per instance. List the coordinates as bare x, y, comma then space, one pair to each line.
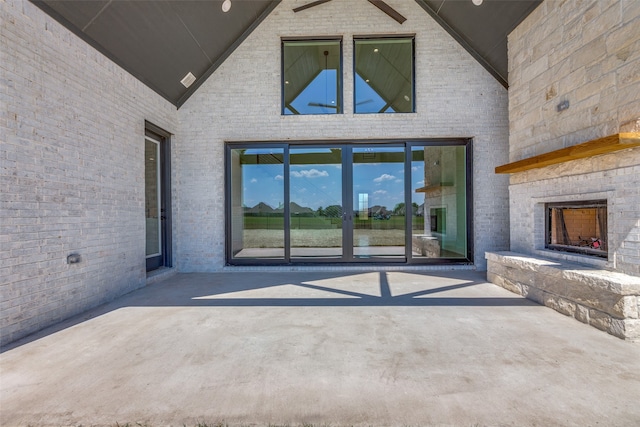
348, 202
377, 192
316, 202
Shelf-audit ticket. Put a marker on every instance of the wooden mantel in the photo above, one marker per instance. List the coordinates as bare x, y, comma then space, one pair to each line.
608, 144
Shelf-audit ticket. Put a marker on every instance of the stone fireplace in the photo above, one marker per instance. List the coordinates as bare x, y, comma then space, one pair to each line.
575, 223
574, 171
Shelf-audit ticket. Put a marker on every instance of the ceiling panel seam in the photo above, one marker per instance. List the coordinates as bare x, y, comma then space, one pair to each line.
97, 15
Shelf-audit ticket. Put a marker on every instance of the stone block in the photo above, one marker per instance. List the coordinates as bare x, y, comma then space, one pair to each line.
617, 328
628, 307
560, 304
632, 329
534, 294
582, 314
426, 245
591, 297
513, 286
599, 320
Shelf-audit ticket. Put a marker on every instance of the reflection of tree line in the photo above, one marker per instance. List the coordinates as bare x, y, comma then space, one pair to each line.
331, 211
263, 216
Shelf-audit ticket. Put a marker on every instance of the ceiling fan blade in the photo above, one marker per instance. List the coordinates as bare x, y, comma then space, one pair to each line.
318, 104
388, 10
312, 4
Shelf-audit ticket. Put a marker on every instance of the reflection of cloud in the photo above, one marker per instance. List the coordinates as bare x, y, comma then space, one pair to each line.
311, 173
279, 178
384, 177
302, 190
414, 169
254, 180
397, 181
380, 192
421, 182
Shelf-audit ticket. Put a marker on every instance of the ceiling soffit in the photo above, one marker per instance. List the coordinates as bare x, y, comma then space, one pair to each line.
482, 30
160, 41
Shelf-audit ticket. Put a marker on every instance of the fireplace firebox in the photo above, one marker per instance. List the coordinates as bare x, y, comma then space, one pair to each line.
578, 227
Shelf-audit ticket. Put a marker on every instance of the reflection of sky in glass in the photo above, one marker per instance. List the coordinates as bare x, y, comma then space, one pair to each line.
320, 96
367, 99
384, 183
315, 185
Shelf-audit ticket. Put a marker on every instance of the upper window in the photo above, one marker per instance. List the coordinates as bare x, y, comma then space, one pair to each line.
384, 75
312, 77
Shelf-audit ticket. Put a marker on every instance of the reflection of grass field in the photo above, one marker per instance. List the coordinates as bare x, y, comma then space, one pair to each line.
396, 222
328, 238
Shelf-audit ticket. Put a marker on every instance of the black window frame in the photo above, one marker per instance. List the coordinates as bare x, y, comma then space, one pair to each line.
231, 260
340, 78
412, 37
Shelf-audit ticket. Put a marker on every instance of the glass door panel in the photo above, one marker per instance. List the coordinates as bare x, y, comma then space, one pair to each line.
378, 202
152, 198
315, 202
257, 203
438, 188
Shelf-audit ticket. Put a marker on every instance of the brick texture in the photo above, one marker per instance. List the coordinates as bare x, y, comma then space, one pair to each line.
72, 172
455, 97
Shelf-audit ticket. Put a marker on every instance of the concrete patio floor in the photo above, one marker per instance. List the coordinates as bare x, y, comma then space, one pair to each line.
325, 348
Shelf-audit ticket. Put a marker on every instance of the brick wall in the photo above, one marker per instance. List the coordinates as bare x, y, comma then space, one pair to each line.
72, 172
455, 97
587, 53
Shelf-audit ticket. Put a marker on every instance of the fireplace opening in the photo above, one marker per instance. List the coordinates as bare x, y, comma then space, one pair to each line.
579, 227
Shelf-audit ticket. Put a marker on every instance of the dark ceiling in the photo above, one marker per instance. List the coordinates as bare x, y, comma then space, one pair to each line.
160, 41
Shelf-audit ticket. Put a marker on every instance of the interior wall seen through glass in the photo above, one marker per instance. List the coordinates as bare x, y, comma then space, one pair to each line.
311, 77
383, 75
439, 209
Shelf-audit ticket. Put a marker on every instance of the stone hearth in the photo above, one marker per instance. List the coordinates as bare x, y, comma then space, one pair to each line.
604, 299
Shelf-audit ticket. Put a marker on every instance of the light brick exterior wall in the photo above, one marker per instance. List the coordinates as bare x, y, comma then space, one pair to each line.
455, 97
72, 172
587, 53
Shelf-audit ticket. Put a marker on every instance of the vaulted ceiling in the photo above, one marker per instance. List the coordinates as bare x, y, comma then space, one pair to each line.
160, 41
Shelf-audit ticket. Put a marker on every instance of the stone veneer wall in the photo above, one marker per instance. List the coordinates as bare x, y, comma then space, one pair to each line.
455, 97
72, 156
586, 53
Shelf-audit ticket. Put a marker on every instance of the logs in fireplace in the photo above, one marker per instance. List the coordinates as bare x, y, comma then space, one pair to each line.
579, 227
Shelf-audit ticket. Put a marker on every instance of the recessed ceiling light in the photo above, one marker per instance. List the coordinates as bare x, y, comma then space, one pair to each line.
376, 50
188, 80
477, 2
406, 98
226, 5
286, 82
